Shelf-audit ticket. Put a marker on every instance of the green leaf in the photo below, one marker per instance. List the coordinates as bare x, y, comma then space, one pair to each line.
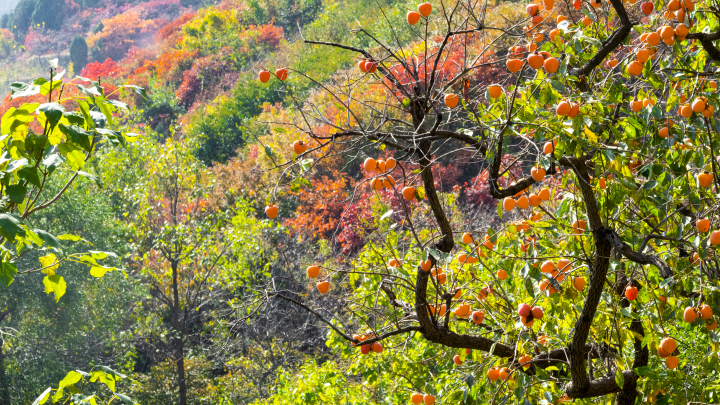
629, 314
53, 112
619, 378
55, 284
23, 90
642, 370
16, 192
124, 398
136, 89
420, 193
48, 239
30, 173
70, 379
7, 273
10, 227
43, 397
77, 135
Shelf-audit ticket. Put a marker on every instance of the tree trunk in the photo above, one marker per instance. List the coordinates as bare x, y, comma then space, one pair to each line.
4, 383
180, 355
179, 336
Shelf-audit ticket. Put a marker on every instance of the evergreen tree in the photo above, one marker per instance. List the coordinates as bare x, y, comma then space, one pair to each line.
78, 53
49, 12
6, 21
98, 51
23, 17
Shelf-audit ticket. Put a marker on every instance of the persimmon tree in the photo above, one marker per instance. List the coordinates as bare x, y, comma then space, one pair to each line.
599, 146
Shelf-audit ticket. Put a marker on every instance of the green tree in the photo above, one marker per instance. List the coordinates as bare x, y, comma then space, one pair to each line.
22, 18
49, 13
78, 53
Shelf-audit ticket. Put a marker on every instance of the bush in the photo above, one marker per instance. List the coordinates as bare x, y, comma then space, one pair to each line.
217, 133
78, 53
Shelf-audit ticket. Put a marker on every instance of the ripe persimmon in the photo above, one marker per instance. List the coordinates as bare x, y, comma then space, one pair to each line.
551, 65
501, 275
522, 203
631, 293
467, 238
668, 345
544, 194
413, 17
534, 200
451, 100
425, 265
689, 314
409, 193
524, 361
535, 61
361, 65
271, 211
299, 147
264, 76
672, 362
702, 225
578, 283
425, 9
698, 105
457, 360
538, 173
508, 204
416, 398
563, 265
429, 399
715, 238
377, 347
365, 349
537, 313
313, 271
494, 90
281, 73
634, 69
514, 65
563, 108
548, 148
493, 374
706, 312
323, 287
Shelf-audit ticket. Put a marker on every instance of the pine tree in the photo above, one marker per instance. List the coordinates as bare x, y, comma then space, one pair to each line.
78, 53
50, 13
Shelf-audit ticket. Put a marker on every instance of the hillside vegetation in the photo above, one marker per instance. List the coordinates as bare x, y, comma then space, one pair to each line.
359, 201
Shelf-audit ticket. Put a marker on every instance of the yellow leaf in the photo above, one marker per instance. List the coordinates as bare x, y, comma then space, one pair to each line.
50, 262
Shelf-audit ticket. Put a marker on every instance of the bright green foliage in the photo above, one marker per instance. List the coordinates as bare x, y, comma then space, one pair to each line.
42, 142
80, 388
218, 130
